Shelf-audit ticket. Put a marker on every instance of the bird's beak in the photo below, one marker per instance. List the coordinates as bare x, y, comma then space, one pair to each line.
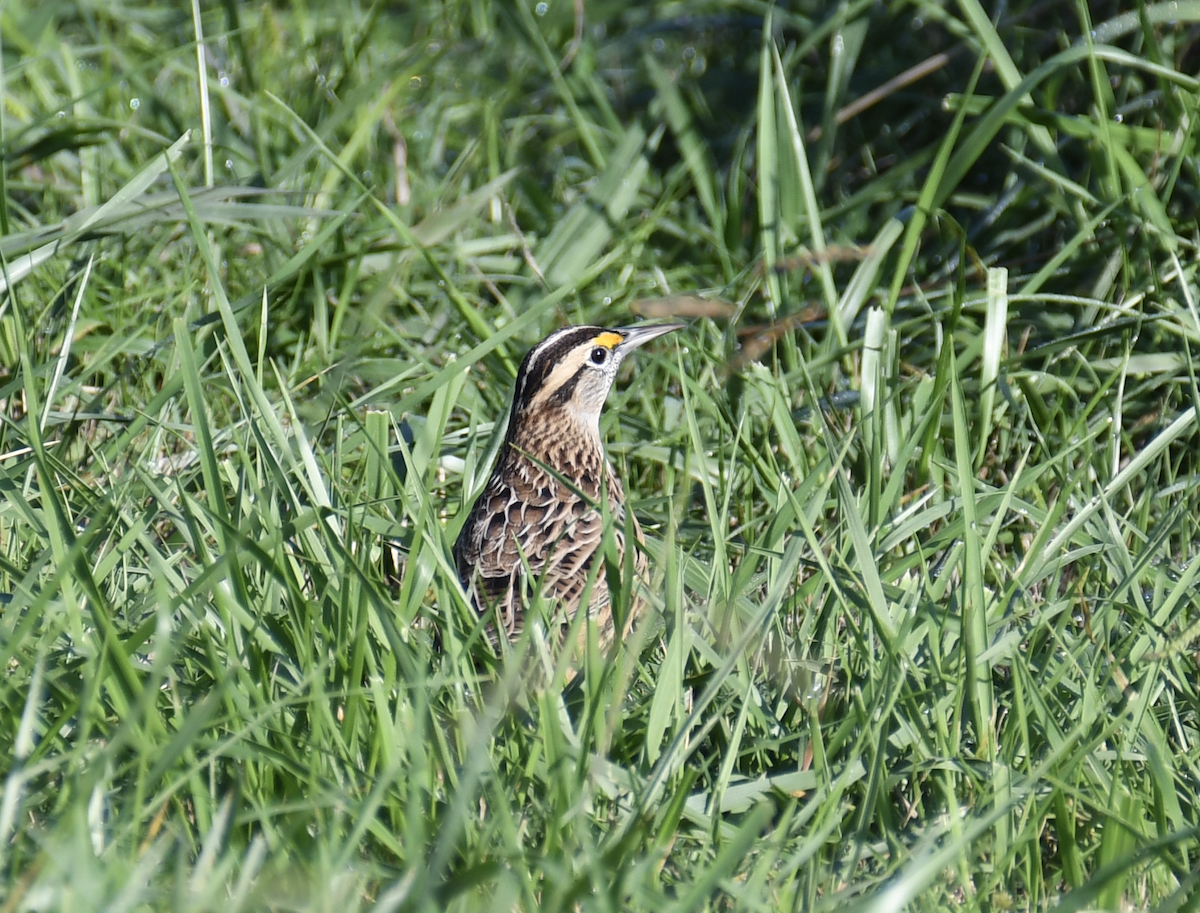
634, 337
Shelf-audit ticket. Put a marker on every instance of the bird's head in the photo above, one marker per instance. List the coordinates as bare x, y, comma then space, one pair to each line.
571, 371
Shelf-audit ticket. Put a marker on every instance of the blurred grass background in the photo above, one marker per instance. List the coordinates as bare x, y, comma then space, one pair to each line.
919, 480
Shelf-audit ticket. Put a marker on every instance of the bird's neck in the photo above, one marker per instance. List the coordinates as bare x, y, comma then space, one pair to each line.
569, 445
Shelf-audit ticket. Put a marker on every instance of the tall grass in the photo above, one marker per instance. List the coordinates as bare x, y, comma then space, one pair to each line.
919, 484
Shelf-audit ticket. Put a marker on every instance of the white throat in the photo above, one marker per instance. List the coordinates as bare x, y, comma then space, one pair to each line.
589, 420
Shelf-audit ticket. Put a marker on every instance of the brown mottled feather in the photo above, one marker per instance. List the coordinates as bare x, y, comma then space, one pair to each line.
526, 509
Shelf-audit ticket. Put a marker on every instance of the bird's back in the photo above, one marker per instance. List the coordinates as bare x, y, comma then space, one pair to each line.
534, 528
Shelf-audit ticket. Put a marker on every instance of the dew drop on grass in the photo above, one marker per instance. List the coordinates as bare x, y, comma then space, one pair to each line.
223, 78
606, 301
541, 8
134, 104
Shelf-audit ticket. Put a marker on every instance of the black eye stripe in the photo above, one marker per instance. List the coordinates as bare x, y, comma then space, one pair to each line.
563, 394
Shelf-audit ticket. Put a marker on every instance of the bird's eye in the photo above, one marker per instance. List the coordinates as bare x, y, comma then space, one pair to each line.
599, 355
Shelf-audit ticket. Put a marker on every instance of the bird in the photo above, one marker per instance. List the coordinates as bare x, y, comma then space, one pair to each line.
538, 524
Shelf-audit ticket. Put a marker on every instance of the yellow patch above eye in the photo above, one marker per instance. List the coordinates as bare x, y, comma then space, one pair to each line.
609, 340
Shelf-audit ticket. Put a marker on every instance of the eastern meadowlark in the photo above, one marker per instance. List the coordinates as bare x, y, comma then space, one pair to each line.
538, 525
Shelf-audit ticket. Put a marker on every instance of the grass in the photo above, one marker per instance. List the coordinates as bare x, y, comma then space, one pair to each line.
919, 483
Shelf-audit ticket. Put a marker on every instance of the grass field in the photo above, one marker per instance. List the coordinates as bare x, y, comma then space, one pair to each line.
919, 479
